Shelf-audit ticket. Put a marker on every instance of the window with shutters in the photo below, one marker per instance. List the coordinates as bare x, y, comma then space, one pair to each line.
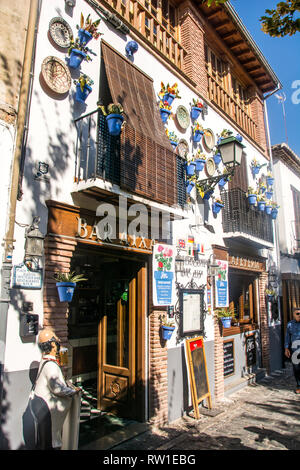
242, 296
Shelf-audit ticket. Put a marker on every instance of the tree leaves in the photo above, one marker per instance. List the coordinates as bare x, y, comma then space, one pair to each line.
280, 22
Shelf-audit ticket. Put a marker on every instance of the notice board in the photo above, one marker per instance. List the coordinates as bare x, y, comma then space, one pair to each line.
198, 373
228, 347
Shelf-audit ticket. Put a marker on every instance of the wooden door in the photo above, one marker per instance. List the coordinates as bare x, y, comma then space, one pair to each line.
119, 339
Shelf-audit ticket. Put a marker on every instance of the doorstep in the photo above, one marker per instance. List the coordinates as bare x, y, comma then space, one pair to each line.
117, 437
248, 379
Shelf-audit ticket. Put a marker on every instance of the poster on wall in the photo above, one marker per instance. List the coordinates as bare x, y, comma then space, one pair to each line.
163, 274
221, 284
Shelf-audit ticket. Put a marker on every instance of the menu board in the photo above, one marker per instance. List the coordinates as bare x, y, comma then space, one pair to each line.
228, 347
250, 350
191, 308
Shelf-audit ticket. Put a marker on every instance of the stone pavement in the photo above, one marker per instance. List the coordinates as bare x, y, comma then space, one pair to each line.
262, 416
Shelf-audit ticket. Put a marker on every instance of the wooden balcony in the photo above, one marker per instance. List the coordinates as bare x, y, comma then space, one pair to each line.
150, 26
218, 95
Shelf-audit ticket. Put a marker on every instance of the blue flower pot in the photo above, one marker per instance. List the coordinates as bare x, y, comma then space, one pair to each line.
169, 98
216, 207
261, 205
255, 170
65, 291
174, 144
164, 114
76, 57
81, 96
252, 199
114, 122
217, 158
199, 164
268, 210
197, 136
222, 182
189, 186
270, 181
239, 137
207, 195
195, 112
274, 213
269, 194
131, 48
226, 322
84, 36
167, 331
190, 169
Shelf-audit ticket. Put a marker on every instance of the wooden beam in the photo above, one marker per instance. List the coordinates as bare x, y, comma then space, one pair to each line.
214, 14
237, 44
220, 25
244, 51
229, 35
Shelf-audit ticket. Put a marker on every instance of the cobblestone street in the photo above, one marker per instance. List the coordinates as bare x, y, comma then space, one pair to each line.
263, 416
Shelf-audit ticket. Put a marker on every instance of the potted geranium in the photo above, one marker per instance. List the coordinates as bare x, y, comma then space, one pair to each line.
114, 118
77, 53
66, 283
198, 132
168, 93
217, 205
83, 87
225, 315
88, 29
165, 110
197, 107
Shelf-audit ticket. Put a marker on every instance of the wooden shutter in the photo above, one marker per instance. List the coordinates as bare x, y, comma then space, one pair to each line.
240, 178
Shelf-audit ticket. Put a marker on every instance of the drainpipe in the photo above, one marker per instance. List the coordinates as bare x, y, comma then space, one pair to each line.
12, 203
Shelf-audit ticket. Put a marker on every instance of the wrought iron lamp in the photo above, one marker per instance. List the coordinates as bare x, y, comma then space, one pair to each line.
70, 3
34, 244
212, 266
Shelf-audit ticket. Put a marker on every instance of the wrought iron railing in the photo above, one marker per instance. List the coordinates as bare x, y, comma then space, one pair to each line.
97, 154
239, 216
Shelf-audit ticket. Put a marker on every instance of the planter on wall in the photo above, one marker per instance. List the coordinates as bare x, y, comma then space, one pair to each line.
190, 168
84, 36
216, 207
195, 112
222, 182
226, 322
164, 114
252, 199
189, 186
274, 213
270, 181
65, 291
167, 331
261, 205
268, 210
81, 95
217, 158
169, 98
197, 136
76, 57
199, 164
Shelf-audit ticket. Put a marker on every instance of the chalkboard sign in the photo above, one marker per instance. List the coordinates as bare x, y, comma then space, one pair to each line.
228, 347
250, 350
198, 373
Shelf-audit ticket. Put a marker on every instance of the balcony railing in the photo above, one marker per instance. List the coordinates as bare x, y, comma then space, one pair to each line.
238, 216
99, 155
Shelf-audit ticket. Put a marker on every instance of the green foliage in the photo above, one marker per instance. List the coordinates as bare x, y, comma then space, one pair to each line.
225, 312
112, 108
83, 80
216, 2
281, 22
69, 277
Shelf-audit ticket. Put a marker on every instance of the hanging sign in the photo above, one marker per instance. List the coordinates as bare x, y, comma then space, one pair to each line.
163, 274
24, 278
221, 284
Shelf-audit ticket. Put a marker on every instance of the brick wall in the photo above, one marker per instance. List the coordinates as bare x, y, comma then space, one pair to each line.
263, 318
219, 361
192, 39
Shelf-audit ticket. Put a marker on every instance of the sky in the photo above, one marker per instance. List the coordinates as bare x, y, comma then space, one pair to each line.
283, 55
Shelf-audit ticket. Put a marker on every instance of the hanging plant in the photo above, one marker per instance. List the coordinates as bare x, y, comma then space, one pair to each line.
217, 205
83, 87
173, 138
168, 93
165, 110
270, 179
252, 196
66, 283
114, 118
197, 108
217, 156
200, 159
198, 132
261, 202
88, 29
77, 52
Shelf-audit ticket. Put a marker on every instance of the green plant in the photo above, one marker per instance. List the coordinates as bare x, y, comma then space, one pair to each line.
80, 47
197, 103
200, 155
225, 133
251, 191
90, 26
225, 312
270, 292
274, 205
112, 108
69, 277
198, 127
219, 201
173, 90
172, 136
261, 198
83, 80
165, 321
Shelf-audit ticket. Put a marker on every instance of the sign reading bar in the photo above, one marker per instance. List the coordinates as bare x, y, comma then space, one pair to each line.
228, 347
198, 373
23, 278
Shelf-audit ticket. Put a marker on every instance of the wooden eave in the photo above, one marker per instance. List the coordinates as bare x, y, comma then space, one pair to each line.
285, 154
232, 35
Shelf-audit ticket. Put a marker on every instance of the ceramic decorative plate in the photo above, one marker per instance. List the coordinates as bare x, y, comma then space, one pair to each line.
209, 140
183, 117
60, 32
182, 148
56, 75
210, 167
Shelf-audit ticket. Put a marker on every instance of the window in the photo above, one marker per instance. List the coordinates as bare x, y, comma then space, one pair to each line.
242, 296
240, 95
215, 66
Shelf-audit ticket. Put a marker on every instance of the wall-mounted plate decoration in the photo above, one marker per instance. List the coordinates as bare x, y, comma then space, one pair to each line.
182, 148
60, 32
208, 140
183, 117
210, 167
56, 75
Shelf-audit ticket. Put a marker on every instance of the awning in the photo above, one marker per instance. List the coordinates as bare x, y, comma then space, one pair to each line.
132, 88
